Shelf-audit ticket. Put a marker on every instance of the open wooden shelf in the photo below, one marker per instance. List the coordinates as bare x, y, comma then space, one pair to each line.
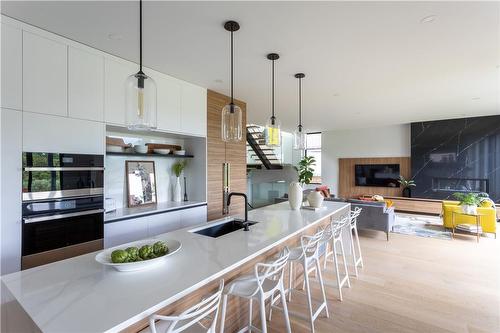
152, 155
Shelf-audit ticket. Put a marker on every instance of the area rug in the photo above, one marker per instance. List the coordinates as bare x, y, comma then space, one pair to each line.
420, 225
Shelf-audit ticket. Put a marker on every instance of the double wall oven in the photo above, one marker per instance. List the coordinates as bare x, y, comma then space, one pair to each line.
63, 206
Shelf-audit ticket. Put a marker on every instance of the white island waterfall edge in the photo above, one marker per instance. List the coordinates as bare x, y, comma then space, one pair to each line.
81, 294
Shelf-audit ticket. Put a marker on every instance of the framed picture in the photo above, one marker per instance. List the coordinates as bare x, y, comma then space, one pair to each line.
141, 183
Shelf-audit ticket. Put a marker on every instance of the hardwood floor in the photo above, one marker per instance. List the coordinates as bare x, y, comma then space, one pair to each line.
413, 284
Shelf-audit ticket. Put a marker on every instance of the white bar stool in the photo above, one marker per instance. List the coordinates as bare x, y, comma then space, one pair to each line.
335, 241
307, 256
263, 284
189, 320
356, 257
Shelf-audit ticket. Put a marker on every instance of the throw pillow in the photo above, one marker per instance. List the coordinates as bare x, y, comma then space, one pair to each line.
377, 197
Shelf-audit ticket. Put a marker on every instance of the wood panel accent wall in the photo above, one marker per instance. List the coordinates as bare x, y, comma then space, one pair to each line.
218, 152
347, 187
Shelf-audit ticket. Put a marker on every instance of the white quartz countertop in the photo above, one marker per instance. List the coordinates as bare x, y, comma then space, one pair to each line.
79, 294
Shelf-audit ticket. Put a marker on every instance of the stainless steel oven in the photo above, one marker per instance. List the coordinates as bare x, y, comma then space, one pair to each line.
60, 175
63, 206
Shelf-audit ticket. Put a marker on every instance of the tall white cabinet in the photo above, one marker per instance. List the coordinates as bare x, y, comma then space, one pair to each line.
45, 75
12, 67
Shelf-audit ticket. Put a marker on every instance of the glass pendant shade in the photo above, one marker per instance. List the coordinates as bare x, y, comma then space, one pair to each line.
272, 132
299, 138
232, 128
140, 102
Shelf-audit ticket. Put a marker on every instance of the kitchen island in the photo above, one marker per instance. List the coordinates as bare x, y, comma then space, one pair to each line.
79, 294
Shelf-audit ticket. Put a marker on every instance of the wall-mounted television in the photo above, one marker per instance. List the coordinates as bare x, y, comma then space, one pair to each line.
379, 175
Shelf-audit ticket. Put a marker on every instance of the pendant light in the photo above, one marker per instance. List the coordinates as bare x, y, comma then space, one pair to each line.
299, 135
272, 131
231, 127
140, 94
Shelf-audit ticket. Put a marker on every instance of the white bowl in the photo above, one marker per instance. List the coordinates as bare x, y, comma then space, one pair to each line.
104, 257
114, 149
141, 149
162, 151
179, 152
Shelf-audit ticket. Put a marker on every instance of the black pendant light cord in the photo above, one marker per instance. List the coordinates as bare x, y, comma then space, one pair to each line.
300, 104
140, 36
272, 95
232, 74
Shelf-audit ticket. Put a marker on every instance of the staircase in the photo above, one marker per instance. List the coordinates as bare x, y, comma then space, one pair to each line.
260, 155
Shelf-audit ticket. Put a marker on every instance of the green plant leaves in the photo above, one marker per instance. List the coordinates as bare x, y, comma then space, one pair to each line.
306, 169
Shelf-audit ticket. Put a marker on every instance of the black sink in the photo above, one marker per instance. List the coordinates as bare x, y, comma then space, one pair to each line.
223, 228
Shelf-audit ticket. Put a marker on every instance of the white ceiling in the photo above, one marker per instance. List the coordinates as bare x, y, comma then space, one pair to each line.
366, 63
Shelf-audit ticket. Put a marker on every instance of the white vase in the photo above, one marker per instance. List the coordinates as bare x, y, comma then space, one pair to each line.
315, 199
295, 195
469, 209
177, 190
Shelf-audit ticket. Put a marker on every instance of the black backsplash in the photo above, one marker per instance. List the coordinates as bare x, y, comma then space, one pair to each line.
449, 156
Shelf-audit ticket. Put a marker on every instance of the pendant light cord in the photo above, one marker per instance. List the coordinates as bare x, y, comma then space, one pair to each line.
300, 104
232, 69
140, 35
272, 94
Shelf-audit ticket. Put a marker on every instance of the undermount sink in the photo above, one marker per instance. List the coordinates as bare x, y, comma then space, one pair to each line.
222, 228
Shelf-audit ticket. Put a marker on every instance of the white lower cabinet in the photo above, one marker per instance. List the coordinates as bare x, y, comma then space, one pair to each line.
162, 223
45, 133
194, 216
11, 186
126, 231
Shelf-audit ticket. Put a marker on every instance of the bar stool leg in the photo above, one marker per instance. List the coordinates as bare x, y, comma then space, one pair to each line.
263, 315
337, 273
250, 314
345, 263
285, 309
320, 277
360, 259
290, 280
309, 300
353, 254
223, 313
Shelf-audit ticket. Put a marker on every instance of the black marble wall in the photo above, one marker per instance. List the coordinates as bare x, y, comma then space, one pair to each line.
449, 156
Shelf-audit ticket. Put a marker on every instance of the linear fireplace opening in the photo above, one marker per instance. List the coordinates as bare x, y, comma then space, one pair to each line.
460, 185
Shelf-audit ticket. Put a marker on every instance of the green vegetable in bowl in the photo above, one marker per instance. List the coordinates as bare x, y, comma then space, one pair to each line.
133, 253
145, 251
160, 248
119, 256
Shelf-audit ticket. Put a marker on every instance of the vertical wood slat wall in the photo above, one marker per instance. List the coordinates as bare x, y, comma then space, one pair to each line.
347, 187
218, 152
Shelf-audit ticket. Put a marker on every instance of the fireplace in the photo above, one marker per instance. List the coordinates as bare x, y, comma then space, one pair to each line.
452, 185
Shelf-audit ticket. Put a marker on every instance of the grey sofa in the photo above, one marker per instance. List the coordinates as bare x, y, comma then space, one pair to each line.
374, 216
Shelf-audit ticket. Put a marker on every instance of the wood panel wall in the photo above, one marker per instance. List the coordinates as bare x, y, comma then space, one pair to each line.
347, 187
218, 152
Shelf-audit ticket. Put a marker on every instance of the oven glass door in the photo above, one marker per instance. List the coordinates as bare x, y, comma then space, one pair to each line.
41, 234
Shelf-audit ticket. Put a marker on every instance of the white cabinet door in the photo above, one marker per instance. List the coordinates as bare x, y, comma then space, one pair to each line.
44, 133
115, 74
11, 175
12, 72
168, 102
121, 232
162, 223
85, 85
45, 77
194, 216
193, 109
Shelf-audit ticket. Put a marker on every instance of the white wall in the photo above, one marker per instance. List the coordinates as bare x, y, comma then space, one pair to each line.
386, 141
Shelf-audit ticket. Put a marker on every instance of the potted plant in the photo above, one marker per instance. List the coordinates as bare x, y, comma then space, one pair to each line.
177, 168
305, 169
468, 202
406, 184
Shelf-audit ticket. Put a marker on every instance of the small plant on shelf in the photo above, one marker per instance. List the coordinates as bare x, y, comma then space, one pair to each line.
177, 168
406, 184
306, 169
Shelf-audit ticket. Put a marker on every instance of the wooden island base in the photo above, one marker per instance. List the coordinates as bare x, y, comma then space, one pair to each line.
237, 310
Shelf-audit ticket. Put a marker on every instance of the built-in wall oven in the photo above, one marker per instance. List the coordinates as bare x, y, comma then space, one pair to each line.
63, 206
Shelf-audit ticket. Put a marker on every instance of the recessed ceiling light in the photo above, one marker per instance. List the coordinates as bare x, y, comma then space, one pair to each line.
476, 98
428, 19
218, 81
115, 37
335, 95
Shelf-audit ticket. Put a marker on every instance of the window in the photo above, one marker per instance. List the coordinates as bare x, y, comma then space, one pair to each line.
313, 148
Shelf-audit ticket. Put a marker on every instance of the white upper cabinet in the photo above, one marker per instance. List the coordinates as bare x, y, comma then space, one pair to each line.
193, 109
85, 85
45, 133
45, 75
116, 73
168, 97
12, 67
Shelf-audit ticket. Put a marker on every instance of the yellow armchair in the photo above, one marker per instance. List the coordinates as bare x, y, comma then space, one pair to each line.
488, 220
